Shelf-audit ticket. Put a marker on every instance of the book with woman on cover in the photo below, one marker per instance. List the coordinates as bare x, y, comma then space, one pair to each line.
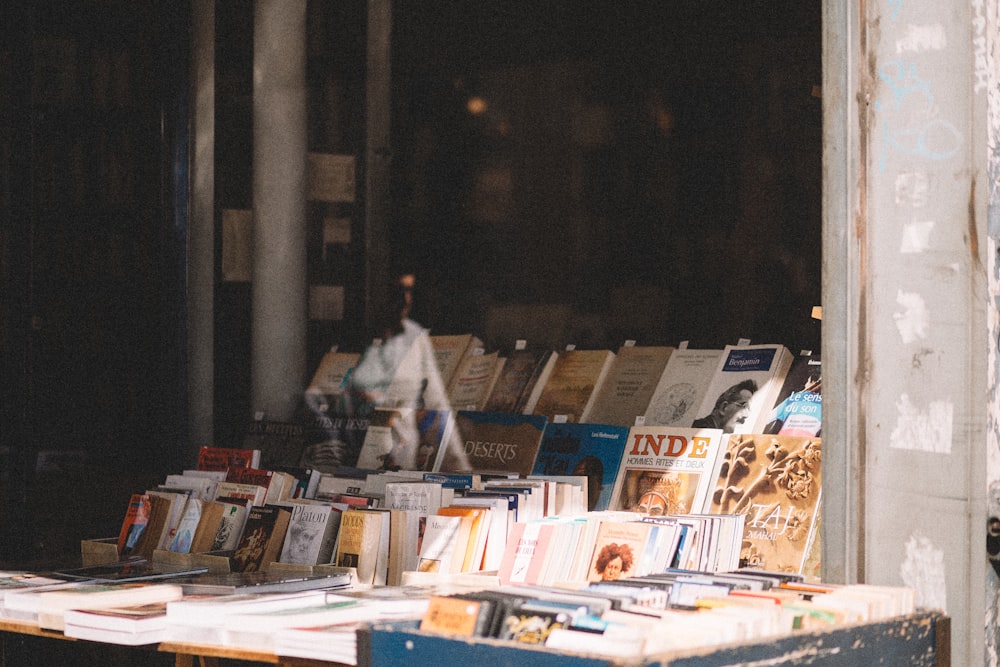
666, 470
592, 450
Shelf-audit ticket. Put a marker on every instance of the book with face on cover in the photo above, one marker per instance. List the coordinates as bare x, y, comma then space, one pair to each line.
743, 388
666, 470
593, 450
312, 534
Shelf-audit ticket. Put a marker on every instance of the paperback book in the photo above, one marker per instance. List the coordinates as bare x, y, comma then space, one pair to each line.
592, 450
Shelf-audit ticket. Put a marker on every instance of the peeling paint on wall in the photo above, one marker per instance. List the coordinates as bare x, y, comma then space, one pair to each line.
916, 237
927, 430
923, 571
913, 321
917, 38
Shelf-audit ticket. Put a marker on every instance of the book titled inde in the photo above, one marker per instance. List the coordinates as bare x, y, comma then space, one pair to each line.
494, 442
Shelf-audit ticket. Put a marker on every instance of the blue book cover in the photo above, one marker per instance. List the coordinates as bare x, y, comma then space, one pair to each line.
594, 450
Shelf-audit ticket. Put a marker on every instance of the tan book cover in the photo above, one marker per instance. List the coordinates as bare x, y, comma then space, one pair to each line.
618, 548
681, 388
472, 380
363, 544
776, 481
629, 386
494, 441
573, 384
332, 372
449, 350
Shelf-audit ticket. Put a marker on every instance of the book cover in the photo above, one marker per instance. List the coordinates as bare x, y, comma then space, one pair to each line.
262, 538
280, 443
666, 470
404, 439
776, 481
743, 388
618, 549
130, 625
231, 522
527, 545
332, 373
513, 384
208, 526
449, 350
494, 441
477, 520
255, 493
311, 536
473, 378
573, 383
456, 616
184, 535
223, 458
417, 499
629, 386
134, 524
592, 450
798, 409
53, 605
441, 546
363, 544
681, 388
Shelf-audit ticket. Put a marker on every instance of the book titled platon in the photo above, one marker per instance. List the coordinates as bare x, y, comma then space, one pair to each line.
743, 388
573, 384
666, 470
312, 533
592, 450
494, 441
628, 388
775, 480
681, 388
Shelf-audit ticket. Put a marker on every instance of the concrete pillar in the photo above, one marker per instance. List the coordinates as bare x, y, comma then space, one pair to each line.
905, 337
278, 321
201, 228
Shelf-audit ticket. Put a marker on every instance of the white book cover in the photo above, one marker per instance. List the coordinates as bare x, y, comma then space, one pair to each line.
746, 381
681, 387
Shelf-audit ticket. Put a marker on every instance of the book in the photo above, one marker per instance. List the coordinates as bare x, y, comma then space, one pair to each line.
249, 584
133, 525
477, 519
527, 545
208, 526
744, 385
573, 384
332, 372
443, 543
681, 388
312, 534
262, 538
494, 441
776, 481
223, 458
231, 521
798, 409
618, 549
187, 526
592, 450
53, 604
156, 527
128, 625
405, 439
130, 571
450, 350
538, 382
666, 470
473, 378
363, 544
280, 443
626, 392
255, 493
516, 379
457, 616
177, 501
416, 499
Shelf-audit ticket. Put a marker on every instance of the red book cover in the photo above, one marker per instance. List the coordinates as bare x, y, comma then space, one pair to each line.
224, 458
136, 518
